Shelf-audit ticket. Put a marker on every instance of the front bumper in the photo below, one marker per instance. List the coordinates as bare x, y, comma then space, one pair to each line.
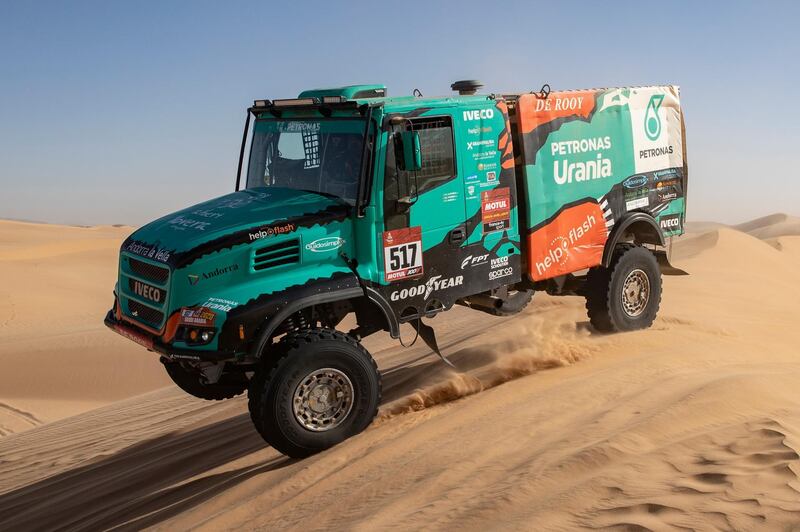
153, 343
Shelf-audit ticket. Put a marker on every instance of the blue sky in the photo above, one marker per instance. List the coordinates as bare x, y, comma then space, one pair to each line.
119, 112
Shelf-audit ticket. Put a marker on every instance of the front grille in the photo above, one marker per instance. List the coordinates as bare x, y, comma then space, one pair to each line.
144, 313
149, 271
277, 255
144, 290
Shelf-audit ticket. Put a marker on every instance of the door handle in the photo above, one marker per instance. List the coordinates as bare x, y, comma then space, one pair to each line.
459, 234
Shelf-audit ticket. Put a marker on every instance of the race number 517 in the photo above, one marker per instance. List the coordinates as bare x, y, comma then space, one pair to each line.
402, 253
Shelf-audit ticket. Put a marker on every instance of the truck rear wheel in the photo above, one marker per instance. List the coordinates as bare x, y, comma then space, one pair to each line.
514, 303
626, 295
191, 382
321, 388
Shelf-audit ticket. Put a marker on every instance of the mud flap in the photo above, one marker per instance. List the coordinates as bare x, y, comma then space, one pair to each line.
665, 266
428, 336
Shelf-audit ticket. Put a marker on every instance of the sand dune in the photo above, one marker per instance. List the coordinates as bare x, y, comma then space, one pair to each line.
56, 288
694, 423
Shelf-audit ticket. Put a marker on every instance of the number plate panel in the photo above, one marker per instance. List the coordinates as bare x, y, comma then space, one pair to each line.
402, 254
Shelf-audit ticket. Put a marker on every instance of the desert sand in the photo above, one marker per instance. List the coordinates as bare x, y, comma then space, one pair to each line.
694, 423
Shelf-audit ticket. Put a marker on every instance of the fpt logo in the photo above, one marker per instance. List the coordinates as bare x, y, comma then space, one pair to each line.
652, 121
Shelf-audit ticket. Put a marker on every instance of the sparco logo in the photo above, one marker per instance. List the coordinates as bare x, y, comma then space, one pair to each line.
434, 284
671, 222
146, 291
329, 243
497, 274
479, 114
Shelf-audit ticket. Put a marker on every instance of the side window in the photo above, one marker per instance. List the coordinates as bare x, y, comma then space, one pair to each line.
438, 166
436, 145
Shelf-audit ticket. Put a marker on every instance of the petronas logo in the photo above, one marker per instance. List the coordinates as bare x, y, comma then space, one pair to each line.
652, 122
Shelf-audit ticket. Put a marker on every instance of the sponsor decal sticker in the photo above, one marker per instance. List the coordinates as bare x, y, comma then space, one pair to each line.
272, 230
478, 143
328, 243
573, 240
202, 213
496, 209
434, 284
474, 260
479, 114
198, 316
656, 152
636, 181
225, 305
670, 223
216, 272
566, 171
652, 120
150, 252
499, 274
182, 223
499, 262
638, 203
139, 338
449, 197
402, 254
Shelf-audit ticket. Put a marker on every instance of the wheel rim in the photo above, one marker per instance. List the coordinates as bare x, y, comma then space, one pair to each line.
635, 293
323, 399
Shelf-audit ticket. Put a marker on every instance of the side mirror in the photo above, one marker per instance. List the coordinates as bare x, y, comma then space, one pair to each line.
412, 153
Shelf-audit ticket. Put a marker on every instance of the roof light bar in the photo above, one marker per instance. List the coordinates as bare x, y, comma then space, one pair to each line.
333, 99
261, 103
295, 102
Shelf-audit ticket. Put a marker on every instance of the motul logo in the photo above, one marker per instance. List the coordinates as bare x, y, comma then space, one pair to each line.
478, 114
497, 204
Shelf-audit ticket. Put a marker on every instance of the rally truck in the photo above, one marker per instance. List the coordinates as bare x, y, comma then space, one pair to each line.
387, 211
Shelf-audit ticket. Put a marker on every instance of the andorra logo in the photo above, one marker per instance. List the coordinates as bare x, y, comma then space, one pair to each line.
193, 279
652, 122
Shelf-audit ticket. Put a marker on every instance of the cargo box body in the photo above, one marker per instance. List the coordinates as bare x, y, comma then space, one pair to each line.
588, 159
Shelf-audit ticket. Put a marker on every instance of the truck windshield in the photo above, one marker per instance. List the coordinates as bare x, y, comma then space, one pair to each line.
318, 155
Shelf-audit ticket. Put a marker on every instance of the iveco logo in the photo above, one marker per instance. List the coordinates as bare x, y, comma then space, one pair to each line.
146, 291
328, 243
635, 181
478, 114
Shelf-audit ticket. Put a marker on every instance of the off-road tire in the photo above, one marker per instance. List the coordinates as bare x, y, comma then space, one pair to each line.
514, 304
604, 290
189, 381
273, 387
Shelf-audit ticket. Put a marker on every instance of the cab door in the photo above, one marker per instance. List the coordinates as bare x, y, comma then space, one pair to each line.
424, 219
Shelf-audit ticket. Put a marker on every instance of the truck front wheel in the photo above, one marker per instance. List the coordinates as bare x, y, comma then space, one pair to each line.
626, 295
320, 388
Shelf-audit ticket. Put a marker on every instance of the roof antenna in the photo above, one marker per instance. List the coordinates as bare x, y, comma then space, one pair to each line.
417, 93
